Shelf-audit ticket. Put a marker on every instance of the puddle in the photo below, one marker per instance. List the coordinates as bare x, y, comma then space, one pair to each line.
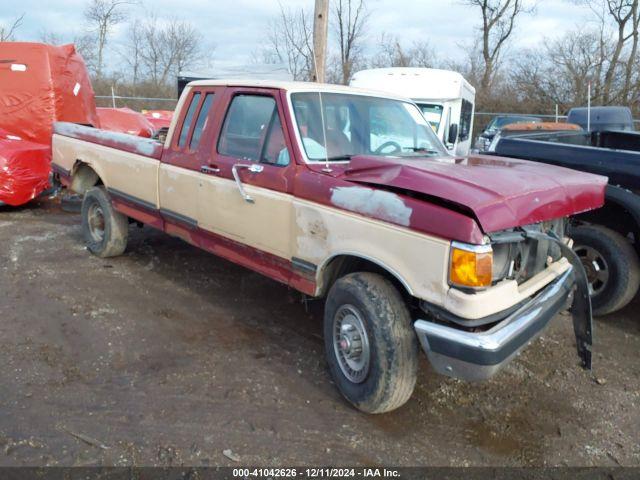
498, 443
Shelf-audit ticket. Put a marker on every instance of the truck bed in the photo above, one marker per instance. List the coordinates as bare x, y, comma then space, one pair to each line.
613, 154
146, 147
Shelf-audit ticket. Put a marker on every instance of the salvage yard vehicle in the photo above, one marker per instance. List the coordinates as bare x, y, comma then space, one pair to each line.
348, 194
39, 84
494, 127
518, 129
607, 240
446, 99
607, 118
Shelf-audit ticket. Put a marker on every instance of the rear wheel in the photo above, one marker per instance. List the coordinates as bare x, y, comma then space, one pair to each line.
105, 230
611, 264
370, 344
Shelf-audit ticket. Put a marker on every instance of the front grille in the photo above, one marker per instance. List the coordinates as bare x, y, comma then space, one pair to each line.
521, 260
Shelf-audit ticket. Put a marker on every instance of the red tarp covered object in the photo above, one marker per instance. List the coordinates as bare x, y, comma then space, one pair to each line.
158, 118
24, 169
39, 85
125, 120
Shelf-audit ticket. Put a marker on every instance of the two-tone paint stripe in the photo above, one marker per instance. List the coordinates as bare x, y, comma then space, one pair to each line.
303, 267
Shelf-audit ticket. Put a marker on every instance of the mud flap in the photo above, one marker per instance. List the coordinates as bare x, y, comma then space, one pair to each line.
581, 308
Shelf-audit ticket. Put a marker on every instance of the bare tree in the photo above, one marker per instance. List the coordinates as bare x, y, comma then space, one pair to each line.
498, 20
423, 55
624, 14
631, 62
132, 55
264, 56
618, 21
7, 33
291, 42
350, 19
86, 46
391, 53
101, 16
50, 37
163, 50
560, 72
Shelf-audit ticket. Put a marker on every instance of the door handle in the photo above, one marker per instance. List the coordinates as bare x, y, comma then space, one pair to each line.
208, 169
253, 168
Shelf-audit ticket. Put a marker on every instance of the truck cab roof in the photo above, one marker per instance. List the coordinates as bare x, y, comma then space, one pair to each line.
602, 118
293, 86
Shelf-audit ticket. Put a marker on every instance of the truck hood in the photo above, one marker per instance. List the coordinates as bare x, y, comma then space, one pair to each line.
500, 193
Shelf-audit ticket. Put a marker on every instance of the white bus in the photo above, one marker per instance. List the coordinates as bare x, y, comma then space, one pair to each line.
446, 99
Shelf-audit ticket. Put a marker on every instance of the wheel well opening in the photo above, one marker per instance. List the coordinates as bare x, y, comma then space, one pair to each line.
84, 177
342, 265
615, 217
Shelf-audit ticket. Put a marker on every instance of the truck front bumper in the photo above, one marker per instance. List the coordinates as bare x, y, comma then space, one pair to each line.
479, 355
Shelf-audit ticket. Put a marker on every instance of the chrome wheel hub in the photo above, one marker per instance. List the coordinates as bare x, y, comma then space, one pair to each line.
595, 266
351, 344
95, 218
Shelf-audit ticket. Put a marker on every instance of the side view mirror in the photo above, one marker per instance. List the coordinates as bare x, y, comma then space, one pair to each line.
453, 133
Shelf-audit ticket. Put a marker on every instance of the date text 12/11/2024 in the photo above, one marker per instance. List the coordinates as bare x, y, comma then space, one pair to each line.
315, 473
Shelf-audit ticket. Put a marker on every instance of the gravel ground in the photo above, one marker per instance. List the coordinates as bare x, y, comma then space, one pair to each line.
171, 356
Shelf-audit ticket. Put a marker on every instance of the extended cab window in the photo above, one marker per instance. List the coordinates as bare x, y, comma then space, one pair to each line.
201, 121
186, 125
252, 122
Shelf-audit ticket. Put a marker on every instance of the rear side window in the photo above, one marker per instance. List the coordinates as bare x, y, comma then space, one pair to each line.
186, 125
246, 126
201, 122
466, 115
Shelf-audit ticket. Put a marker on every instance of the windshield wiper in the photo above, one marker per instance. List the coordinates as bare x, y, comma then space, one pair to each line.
336, 158
422, 150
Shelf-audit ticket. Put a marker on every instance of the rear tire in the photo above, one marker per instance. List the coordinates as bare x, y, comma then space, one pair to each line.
369, 304
612, 267
105, 230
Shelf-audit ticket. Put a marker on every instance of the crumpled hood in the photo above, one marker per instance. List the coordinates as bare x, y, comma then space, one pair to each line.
500, 192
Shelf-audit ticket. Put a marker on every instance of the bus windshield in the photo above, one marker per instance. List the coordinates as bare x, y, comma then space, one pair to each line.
433, 114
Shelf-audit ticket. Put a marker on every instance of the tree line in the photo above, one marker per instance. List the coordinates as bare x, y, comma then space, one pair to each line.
602, 53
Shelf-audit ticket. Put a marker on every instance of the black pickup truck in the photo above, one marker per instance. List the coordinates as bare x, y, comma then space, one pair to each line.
608, 239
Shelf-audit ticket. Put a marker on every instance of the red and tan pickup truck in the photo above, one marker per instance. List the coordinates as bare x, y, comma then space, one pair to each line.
348, 194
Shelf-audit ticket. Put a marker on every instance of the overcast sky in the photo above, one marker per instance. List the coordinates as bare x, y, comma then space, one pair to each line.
239, 27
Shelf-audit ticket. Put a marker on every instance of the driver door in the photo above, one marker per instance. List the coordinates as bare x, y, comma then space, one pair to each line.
245, 190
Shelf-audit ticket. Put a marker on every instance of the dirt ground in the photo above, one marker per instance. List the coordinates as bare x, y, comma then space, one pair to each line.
170, 356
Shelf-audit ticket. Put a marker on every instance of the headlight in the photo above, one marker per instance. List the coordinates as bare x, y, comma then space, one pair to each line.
470, 266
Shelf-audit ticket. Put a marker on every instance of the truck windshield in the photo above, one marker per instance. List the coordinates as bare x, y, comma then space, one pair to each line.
433, 114
361, 125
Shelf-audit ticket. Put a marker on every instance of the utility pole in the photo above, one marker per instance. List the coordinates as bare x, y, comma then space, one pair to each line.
320, 32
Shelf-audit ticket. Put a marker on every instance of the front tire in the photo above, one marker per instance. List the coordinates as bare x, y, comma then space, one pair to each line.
612, 267
371, 348
105, 230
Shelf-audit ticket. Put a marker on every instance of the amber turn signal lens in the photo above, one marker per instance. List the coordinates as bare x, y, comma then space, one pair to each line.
470, 269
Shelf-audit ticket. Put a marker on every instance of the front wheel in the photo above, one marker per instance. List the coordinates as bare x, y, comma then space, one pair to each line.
105, 230
370, 345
